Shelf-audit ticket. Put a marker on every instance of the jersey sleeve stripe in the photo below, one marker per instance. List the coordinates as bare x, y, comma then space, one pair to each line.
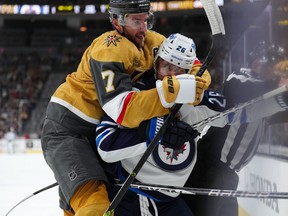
124, 108
74, 110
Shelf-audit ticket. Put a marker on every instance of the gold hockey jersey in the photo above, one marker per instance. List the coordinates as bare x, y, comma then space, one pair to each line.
102, 82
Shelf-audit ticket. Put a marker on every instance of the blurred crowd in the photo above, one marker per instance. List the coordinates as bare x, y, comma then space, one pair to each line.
22, 80
22, 77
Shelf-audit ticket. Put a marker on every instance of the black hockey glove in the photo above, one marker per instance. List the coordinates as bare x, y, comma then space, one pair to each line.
177, 134
174, 137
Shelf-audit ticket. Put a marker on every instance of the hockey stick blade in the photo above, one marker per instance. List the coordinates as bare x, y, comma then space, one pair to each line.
240, 106
210, 192
214, 16
217, 30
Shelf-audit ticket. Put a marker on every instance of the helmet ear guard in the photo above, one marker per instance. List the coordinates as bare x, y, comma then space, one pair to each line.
178, 50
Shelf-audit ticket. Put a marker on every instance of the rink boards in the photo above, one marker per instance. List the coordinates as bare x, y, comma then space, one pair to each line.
264, 174
21, 146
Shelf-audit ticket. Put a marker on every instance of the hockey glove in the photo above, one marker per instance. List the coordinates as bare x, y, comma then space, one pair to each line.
174, 137
176, 89
177, 134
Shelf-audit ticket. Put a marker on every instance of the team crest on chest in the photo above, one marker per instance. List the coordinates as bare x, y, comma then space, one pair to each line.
112, 39
174, 159
174, 154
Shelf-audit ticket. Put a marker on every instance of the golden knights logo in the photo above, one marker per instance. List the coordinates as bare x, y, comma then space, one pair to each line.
112, 40
136, 62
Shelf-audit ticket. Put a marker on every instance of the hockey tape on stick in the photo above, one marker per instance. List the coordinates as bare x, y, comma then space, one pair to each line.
210, 192
241, 106
214, 16
217, 27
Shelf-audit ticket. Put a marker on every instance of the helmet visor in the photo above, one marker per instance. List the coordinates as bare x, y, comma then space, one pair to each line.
137, 22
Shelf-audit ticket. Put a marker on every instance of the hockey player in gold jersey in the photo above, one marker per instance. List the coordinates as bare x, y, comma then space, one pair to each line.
103, 84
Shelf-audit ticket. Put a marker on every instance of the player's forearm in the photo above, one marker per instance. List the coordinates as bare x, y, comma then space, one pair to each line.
142, 106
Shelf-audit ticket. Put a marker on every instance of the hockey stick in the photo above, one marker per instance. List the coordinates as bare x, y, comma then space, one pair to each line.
33, 194
217, 28
241, 106
209, 192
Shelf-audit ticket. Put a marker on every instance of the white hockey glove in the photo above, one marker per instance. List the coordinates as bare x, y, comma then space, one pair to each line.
176, 89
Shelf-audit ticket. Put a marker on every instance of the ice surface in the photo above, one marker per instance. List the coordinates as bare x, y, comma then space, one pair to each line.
20, 176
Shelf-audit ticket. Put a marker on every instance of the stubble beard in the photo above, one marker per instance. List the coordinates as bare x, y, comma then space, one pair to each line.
136, 39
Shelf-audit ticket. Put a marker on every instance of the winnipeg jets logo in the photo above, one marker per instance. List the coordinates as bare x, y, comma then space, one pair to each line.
112, 40
173, 154
171, 159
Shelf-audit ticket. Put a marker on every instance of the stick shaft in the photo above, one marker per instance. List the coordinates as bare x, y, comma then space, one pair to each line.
240, 106
33, 194
211, 192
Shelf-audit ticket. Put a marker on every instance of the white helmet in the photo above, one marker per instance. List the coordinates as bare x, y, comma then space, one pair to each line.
178, 50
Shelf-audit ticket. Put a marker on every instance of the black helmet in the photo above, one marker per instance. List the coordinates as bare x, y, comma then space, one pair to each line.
128, 6
267, 53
